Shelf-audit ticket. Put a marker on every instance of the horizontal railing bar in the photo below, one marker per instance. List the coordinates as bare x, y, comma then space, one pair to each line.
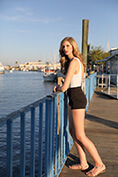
106, 76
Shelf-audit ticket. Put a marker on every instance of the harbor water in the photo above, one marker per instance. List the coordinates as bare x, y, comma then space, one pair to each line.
17, 90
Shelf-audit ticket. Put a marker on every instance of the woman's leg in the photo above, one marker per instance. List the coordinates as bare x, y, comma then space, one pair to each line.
79, 146
78, 122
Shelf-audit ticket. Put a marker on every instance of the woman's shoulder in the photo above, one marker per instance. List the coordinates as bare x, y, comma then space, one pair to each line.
76, 60
74, 63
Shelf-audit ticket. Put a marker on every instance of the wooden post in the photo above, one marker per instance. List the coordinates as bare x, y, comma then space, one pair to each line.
85, 40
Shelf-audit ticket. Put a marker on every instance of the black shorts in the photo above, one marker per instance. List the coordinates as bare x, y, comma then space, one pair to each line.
77, 98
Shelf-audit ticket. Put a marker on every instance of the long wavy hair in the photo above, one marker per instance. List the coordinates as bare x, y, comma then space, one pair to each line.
64, 60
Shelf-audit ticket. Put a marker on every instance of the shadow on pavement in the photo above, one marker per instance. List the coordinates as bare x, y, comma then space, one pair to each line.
108, 123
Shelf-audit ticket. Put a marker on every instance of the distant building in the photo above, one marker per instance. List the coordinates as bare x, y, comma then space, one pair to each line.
112, 62
29, 66
114, 51
2, 70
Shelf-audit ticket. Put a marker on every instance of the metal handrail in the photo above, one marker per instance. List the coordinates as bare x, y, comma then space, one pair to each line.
50, 107
48, 123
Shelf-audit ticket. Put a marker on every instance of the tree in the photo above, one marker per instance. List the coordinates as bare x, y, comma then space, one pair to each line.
97, 53
47, 63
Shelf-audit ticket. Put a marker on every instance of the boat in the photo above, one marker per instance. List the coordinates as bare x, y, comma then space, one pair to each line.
49, 75
2, 70
11, 71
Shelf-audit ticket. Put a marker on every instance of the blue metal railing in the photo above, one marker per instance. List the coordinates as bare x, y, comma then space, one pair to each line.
91, 83
41, 132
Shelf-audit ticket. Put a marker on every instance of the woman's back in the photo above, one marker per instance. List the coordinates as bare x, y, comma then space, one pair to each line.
77, 78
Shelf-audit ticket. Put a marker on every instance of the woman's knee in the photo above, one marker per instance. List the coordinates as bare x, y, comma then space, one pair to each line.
81, 138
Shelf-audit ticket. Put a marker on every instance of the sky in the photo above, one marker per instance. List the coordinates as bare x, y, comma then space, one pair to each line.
31, 30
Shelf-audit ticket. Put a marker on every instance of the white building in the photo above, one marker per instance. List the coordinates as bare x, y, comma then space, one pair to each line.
28, 66
31, 66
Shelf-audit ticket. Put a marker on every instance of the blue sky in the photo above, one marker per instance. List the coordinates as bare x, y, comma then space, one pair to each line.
31, 30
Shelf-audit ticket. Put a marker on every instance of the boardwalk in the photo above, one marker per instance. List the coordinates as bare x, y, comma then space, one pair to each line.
102, 128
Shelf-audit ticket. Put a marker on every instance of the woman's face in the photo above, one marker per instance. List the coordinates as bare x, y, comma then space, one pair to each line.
67, 49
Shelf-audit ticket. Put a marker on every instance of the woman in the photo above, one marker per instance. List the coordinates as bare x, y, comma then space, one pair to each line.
73, 66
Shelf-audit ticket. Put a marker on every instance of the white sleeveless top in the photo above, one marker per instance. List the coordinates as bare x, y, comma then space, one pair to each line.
77, 78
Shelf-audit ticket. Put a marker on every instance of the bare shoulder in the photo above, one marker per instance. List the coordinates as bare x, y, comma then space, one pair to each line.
74, 62
73, 65
76, 65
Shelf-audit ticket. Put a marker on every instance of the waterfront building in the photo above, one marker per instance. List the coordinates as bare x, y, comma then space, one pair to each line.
112, 62
109, 64
2, 70
7, 67
28, 66
35, 66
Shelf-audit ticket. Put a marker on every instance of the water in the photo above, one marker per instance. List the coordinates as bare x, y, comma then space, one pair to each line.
18, 89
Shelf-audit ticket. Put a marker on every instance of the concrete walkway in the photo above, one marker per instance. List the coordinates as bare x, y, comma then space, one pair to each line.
101, 125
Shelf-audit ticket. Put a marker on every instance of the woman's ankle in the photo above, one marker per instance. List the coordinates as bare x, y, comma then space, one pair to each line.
99, 164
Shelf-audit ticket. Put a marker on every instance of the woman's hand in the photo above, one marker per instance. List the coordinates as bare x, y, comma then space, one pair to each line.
56, 88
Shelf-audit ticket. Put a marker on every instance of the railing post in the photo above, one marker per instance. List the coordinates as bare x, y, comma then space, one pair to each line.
89, 90
59, 139
102, 82
22, 155
56, 135
46, 169
9, 149
50, 137
109, 85
32, 170
66, 143
62, 125
53, 126
40, 139
87, 93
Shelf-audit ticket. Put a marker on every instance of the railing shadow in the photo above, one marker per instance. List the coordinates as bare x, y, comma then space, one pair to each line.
108, 123
101, 95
